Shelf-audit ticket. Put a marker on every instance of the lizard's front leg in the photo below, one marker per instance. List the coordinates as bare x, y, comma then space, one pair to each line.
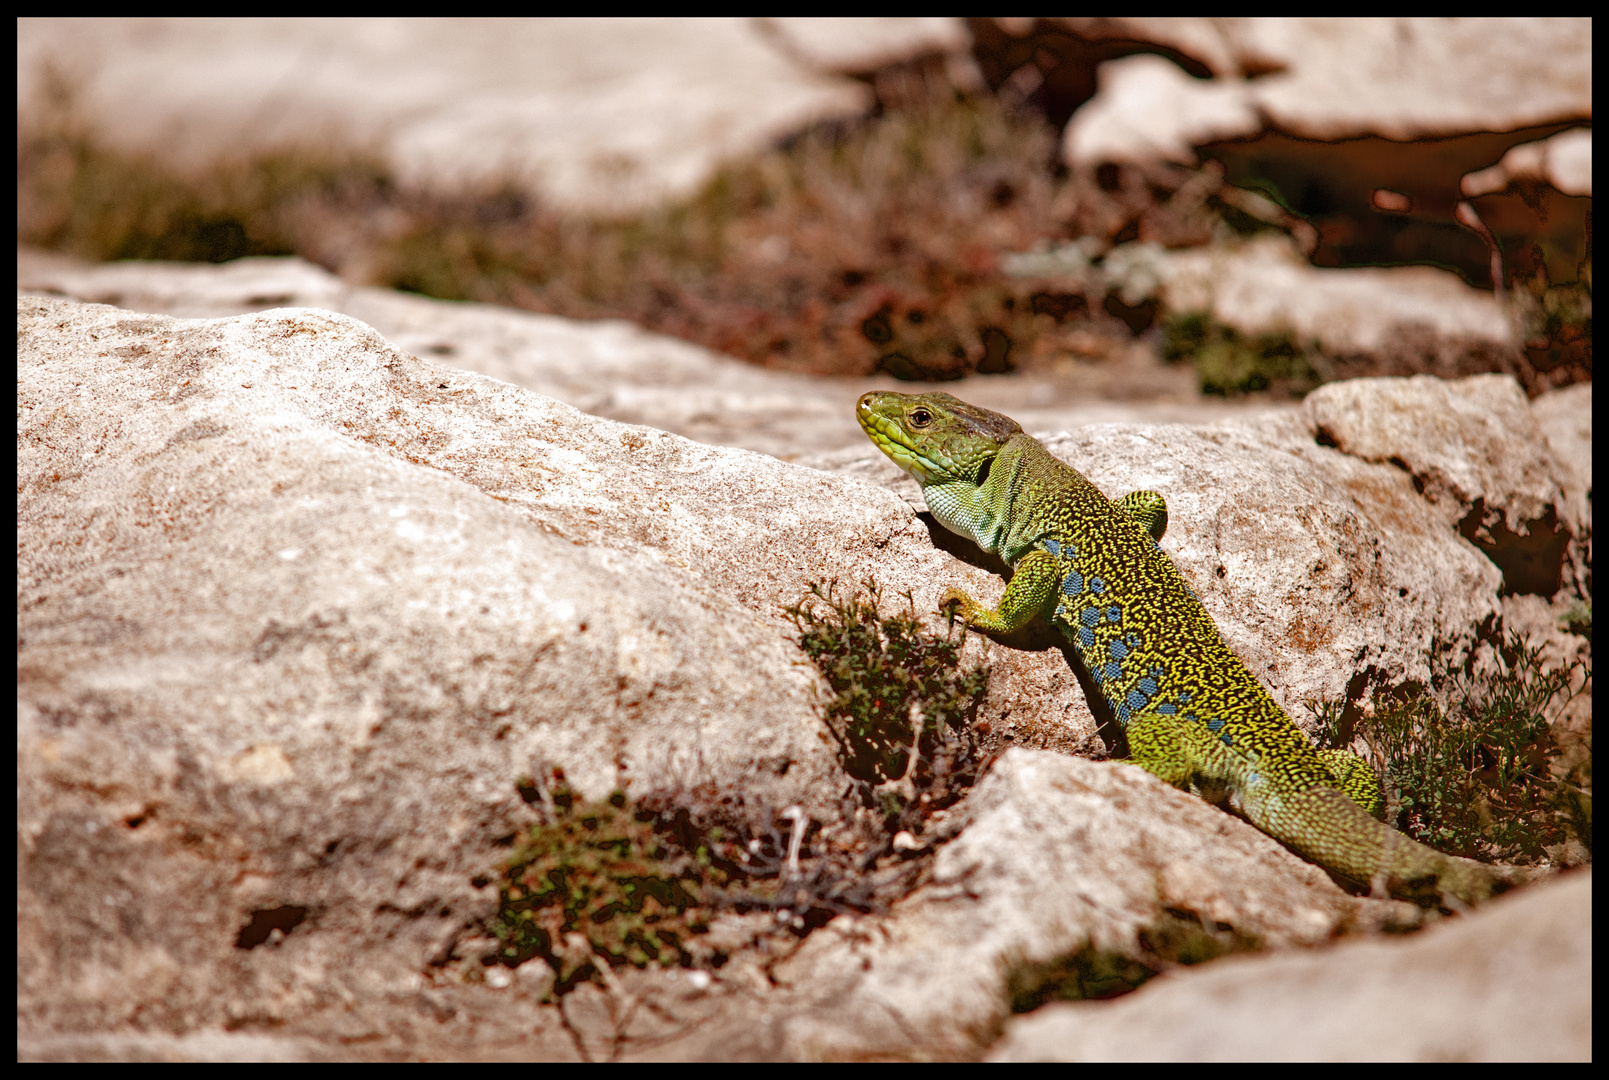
1033, 583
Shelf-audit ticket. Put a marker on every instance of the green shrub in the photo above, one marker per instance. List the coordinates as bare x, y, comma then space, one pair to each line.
1473, 764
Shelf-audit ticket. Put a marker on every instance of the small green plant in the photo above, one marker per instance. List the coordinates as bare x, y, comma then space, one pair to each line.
1091, 974
1578, 619
1554, 320
1475, 762
602, 885
600, 869
1229, 363
639, 880
903, 708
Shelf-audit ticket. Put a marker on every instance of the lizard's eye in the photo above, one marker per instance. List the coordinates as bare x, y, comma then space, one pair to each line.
921, 418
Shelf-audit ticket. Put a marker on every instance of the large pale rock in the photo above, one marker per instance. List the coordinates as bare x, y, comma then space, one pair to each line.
1265, 286
604, 367
296, 610
1408, 78
603, 115
1329, 79
1475, 450
1512, 982
1059, 854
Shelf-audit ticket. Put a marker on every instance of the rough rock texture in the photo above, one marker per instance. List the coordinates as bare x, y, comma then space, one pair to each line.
607, 368
1512, 982
297, 609
1055, 857
305, 608
1476, 452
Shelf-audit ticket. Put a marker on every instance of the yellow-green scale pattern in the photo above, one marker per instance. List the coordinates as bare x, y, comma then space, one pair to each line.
1194, 715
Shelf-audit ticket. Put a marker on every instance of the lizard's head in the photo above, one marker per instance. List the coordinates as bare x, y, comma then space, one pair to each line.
935, 437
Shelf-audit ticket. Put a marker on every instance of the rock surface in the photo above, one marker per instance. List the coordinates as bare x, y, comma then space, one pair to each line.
1512, 982
608, 368
1332, 79
297, 609
1564, 162
1377, 319
606, 115
1265, 287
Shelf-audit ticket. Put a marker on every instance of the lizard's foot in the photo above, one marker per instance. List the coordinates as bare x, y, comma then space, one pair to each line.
956, 604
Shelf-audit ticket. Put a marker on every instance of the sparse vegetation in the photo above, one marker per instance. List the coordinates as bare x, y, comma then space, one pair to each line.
603, 885
618, 882
1229, 363
1478, 763
600, 870
903, 710
1555, 321
876, 245
1092, 974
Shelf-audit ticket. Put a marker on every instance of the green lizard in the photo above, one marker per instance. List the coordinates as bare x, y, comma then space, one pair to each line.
1193, 714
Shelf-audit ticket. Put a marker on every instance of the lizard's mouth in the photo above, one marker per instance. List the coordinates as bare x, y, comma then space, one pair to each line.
891, 439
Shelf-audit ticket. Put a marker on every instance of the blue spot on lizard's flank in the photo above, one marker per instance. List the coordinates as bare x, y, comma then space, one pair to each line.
1097, 585
1114, 670
1114, 614
1117, 650
1215, 725
1053, 547
1073, 583
1090, 616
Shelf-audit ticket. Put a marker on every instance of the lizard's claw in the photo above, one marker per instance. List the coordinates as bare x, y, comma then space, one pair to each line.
956, 604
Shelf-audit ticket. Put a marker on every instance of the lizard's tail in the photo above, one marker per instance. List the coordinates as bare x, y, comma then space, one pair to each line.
1331, 829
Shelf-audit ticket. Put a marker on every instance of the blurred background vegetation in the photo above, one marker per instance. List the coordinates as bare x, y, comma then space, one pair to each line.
876, 245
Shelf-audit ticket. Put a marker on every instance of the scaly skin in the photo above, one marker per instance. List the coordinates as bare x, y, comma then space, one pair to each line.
1194, 715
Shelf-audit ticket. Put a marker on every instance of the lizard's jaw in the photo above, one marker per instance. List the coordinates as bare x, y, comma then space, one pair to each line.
888, 437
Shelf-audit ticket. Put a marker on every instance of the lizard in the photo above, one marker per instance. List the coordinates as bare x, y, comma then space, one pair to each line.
1193, 714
